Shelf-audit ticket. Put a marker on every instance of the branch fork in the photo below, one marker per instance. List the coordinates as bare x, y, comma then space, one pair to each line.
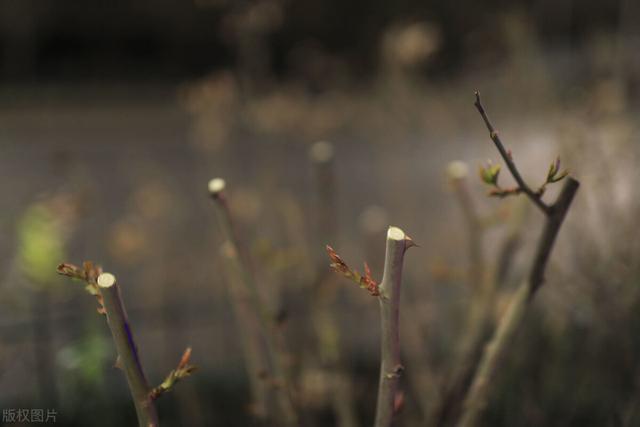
478, 394
106, 290
490, 174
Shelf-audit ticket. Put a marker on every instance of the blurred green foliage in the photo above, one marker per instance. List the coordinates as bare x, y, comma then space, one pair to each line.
40, 244
83, 361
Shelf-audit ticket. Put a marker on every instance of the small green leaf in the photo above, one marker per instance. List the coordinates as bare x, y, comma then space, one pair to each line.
563, 174
553, 169
40, 243
490, 174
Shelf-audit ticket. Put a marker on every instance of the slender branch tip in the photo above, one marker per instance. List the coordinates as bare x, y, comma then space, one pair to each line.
508, 159
106, 280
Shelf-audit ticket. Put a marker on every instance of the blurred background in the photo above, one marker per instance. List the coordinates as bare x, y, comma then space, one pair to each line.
115, 115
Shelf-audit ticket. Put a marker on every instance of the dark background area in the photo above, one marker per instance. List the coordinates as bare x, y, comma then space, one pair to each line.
171, 40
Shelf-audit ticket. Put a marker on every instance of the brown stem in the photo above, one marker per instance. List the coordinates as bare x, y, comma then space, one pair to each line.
555, 217
127, 350
480, 324
390, 366
479, 392
511, 243
241, 263
257, 364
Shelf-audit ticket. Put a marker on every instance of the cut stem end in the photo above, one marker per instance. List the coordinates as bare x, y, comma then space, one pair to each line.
394, 233
106, 280
216, 186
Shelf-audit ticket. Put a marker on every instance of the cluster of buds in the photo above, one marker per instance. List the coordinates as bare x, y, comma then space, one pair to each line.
490, 173
183, 370
364, 281
88, 273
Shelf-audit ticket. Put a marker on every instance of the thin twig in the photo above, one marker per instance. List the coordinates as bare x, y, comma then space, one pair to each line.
325, 216
323, 304
390, 365
256, 360
480, 321
506, 155
479, 391
127, 350
464, 362
458, 173
242, 265
511, 242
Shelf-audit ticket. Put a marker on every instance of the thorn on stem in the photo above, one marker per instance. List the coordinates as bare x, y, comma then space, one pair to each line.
396, 372
409, 243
